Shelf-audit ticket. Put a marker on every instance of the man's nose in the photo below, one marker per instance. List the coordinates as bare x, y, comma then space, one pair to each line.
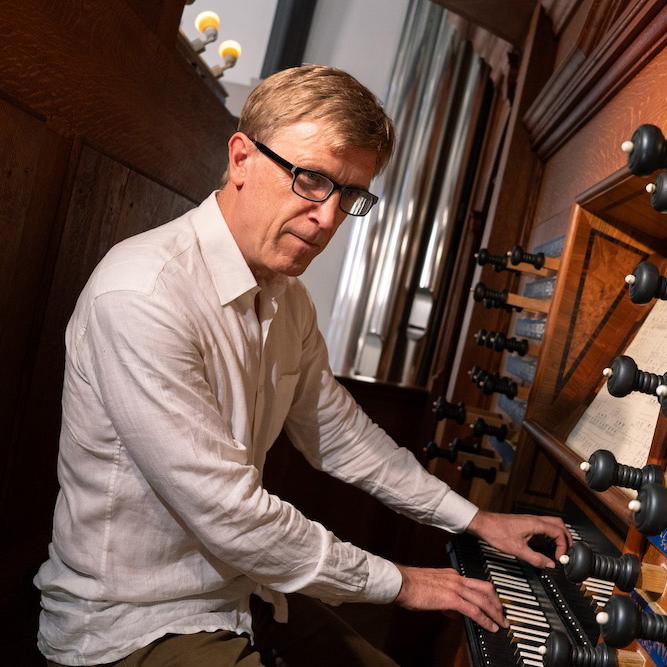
329, 213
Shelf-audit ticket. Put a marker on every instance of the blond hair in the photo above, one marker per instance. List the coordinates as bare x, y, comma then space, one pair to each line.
353, 115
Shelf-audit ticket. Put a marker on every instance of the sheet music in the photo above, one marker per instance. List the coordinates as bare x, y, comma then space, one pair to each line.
625, 426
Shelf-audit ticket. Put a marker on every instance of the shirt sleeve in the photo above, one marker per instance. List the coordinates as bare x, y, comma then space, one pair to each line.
141, 358
334, 434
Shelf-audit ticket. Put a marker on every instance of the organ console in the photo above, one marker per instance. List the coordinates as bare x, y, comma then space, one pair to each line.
622, 622
603, 471
502, 298
645, 283
599, 243
559, 652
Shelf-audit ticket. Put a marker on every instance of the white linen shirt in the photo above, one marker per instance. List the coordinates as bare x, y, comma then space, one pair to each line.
175, 388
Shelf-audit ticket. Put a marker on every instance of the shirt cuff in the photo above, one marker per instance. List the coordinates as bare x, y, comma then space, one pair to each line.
454, 513
384, 581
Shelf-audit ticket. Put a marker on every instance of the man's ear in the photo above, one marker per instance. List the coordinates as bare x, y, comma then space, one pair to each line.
240, 150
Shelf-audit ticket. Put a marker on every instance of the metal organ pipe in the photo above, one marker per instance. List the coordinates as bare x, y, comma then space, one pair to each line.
405, 203
363, 249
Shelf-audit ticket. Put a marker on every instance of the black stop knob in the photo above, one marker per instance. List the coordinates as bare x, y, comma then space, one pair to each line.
468, 446
651, 517
583, 563
469, 470
432, 451
603, 471
498, 341
489, 296
494, 384
518, 255
480, 428
622, 622
624, 377
443, 409
659, 193
477, 375
646, 284
648, 151
560, 653
484, 257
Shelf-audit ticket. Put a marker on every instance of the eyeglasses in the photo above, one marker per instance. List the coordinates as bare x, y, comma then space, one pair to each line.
313, 186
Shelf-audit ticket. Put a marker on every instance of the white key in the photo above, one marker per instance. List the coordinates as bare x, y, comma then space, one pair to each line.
518, 596
538, 641
505, 567
530, 613
531, 632
512, 598
602, 582
527, 621
510, 584
508, 577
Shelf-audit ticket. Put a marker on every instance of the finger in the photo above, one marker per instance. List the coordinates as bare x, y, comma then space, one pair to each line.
533, 558
558, 523
475, 613
487, 600
559, 533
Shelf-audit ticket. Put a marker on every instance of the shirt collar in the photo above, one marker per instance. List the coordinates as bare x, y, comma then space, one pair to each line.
230, 272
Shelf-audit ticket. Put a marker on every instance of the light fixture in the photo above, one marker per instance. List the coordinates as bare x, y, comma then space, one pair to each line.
230, 52
207, 24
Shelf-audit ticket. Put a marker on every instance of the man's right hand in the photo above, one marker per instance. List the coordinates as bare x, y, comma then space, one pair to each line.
443, 589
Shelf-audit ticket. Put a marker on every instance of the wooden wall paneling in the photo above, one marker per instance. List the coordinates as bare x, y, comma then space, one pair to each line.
101, 74
32, 164
107, 201
163, 17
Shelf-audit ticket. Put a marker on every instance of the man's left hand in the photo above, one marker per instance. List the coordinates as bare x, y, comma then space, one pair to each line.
510, 534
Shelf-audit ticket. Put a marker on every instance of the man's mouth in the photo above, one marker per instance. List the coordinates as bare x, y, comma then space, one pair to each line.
308, 242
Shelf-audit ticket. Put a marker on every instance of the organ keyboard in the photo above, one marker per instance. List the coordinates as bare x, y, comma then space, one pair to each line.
536, 602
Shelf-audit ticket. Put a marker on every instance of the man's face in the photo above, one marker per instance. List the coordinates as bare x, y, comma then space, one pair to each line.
278, 231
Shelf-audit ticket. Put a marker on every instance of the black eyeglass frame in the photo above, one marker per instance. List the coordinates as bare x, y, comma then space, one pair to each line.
295, 171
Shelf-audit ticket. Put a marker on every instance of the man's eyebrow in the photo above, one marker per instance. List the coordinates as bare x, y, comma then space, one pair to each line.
331, 178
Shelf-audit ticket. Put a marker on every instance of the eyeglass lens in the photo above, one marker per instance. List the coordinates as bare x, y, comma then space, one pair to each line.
317, 187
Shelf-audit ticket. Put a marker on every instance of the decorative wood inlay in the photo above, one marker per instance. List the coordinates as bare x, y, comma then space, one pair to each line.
601, 280
591, 321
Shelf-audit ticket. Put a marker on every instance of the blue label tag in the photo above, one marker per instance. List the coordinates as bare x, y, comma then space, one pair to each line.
660, 542
657, 650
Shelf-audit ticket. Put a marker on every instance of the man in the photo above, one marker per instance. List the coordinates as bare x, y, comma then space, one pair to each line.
189, 349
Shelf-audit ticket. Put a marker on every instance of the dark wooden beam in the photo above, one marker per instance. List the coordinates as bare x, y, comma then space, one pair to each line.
508, 20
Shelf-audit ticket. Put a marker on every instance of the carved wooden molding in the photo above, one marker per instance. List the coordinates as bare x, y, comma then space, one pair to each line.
605, 59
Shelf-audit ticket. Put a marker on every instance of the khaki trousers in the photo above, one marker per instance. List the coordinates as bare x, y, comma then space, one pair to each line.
313, 637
